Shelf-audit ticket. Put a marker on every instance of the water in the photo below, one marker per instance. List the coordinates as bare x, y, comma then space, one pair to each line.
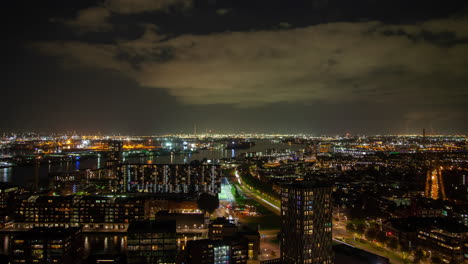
37, 176
92, 244
216, 154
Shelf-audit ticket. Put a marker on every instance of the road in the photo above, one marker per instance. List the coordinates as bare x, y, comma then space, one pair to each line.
275, 209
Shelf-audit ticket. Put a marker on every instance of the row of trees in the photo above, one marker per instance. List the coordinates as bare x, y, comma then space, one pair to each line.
373, 233
257, 184
240, 200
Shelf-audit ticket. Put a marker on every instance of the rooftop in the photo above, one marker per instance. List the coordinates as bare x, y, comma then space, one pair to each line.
151, 226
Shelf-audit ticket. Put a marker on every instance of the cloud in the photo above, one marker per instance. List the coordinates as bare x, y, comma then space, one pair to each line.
455, 27
96, 19
141, 6
93, 19
336, 62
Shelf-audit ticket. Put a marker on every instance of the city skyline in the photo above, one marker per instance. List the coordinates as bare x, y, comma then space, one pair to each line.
318, 67
234, 132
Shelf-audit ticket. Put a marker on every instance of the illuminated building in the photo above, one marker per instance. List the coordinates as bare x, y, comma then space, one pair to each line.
181, 179
253, 238
7, 191
47, 245
44, 210
102, 212
448, 241
220, 228
435, 188
115, 155
184, 221
208, 251
68, 183
442, 236
306, 223
92, 212
152, 242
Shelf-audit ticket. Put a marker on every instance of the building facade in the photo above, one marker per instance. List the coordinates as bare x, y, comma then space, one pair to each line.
306, 223
169, 178
152, 242
47, 245
93, 212
232, 250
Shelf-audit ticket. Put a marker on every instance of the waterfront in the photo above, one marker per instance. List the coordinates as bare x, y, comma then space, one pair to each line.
92, 243
38, 175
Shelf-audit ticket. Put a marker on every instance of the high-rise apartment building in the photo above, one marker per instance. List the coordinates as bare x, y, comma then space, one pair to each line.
306, 223
169, 178
115, 155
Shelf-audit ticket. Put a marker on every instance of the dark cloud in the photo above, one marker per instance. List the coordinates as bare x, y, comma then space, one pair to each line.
320, 66
97, 18
248, 69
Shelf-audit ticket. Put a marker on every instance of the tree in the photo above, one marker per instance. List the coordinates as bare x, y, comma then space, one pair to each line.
436, 260
405, 247
360, 228
207, 203
371, 234
381, 237
392, 243
350, 228
418, 255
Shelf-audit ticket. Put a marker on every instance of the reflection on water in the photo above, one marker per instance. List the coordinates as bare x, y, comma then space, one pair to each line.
92, 244
5, 174
38, 175
104, 244
216, 154
6, 244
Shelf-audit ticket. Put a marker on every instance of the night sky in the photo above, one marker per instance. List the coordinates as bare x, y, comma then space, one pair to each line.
287, 66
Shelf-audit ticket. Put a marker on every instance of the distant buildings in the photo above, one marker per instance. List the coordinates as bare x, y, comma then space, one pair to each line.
306, 223
115, 155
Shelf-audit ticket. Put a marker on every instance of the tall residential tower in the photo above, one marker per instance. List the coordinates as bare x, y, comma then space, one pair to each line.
306, 223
